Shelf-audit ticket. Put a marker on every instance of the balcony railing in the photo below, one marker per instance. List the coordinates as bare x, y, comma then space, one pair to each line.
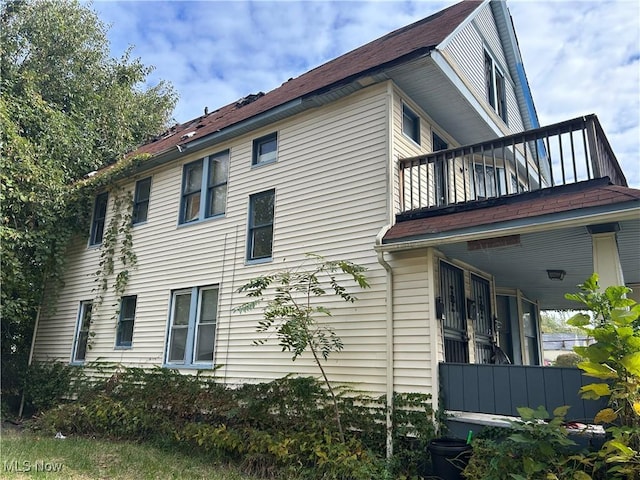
568, 152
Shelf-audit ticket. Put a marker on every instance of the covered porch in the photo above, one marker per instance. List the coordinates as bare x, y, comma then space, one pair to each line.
515, 225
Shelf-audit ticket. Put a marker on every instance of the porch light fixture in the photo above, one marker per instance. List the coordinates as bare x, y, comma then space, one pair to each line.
556, 274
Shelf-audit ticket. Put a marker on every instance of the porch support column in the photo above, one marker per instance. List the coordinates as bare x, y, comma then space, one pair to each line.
606, 260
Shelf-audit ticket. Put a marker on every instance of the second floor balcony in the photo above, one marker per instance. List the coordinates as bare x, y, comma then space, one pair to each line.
567, 152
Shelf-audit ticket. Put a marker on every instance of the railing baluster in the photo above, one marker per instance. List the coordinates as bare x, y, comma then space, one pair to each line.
537, 160
526, 163
573, 158
590, 173
564, 177
432, 177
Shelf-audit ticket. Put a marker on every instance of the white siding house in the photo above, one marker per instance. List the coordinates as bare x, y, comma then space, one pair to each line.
340, 162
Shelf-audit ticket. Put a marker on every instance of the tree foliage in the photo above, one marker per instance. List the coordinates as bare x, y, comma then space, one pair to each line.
292, 313
66, 109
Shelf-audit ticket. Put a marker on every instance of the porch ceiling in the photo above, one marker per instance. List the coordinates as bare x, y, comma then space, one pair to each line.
524, 265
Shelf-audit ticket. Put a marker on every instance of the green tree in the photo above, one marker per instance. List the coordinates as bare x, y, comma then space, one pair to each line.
66, 109
292, 312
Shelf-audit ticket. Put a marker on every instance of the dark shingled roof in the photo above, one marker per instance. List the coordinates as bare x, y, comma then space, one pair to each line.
593, 193
402, 44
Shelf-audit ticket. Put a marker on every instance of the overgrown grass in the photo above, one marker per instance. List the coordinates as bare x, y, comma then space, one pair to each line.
80, 458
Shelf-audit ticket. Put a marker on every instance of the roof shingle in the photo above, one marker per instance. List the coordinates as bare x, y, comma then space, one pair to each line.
583, 195
403, 43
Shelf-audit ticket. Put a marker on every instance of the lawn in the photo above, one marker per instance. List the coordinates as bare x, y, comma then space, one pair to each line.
26, 455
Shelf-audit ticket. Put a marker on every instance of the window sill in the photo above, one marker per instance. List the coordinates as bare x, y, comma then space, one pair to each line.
201, 220
189, 366
258, 261
417, 144
123, 347
262, 164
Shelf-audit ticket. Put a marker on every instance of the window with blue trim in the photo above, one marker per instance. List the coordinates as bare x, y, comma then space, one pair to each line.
141, 201
82, 332
124, 332
260, 232
265, 149
204, 188
98, 220
192, 326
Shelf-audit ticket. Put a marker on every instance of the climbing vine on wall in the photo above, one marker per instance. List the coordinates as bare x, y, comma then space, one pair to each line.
117, 247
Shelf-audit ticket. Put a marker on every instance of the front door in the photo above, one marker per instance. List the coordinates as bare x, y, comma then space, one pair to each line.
456, 348
482, 319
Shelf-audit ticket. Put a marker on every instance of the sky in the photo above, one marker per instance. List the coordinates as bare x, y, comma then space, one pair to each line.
581, 57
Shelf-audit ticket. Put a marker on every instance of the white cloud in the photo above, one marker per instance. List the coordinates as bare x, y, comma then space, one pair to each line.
580, 57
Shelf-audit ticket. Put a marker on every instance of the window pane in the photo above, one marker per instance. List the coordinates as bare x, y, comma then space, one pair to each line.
262, 242
209, 306
217, 201
125, 333
191, 207
81, 346
262, 209
204, 347
178, 344
141, 200
99, 215
265, 149
219, 169
128, 309
193, 177
488, 78
181, 309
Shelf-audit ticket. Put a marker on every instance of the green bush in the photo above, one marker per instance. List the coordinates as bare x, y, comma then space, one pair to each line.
282, 428
567, 360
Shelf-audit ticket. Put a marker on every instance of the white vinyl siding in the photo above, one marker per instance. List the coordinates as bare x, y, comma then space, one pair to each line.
332, 197
467, 49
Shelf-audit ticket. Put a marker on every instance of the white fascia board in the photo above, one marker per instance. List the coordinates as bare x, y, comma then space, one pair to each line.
626, 211
443, 44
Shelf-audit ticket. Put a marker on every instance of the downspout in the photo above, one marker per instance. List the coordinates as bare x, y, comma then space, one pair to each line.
389, 271
389, 344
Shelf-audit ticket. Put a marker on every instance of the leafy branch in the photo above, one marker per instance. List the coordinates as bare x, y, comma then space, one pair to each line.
293, 315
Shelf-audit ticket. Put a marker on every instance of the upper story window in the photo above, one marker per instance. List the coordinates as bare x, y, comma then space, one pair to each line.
192, 329
494, 80
265, 149
204, 188
99, 217
260, 235
124, 333
141, 201
82, 332
410, 124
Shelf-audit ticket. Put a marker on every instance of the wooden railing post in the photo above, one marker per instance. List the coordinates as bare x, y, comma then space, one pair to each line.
593, 147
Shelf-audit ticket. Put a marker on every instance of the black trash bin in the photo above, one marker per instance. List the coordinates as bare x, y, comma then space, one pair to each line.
449, 456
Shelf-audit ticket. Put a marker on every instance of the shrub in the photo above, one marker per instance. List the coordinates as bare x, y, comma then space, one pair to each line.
282, 428
567, 360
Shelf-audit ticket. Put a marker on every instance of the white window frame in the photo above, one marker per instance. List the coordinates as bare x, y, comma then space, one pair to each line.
193, 328
82, 333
